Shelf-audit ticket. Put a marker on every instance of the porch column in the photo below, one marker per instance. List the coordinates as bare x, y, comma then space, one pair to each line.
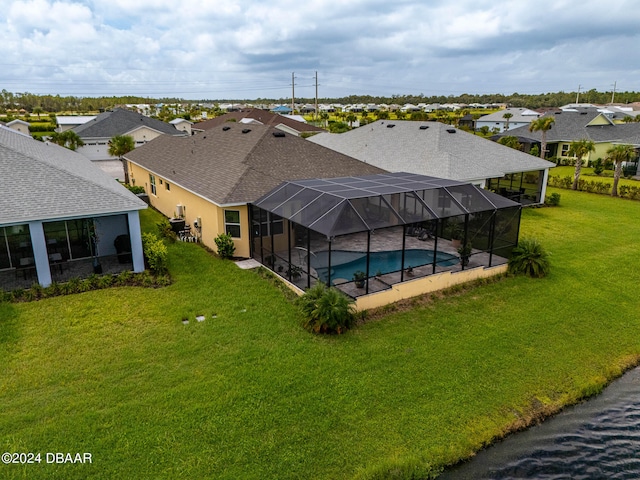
135, 236
543, 189
40, 255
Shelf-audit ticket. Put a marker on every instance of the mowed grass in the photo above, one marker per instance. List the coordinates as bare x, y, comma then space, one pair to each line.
252, 395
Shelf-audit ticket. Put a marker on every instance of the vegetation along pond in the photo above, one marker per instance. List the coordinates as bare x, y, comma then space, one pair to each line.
597, 439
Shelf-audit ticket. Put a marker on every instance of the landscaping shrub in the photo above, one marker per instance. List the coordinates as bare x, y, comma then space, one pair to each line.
226, 247
165, 231
155, 253
552, 200
529, 258
135, 189
327, 310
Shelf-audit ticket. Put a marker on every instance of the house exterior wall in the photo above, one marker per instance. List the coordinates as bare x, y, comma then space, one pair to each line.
194, 206
420, 286
143, 134
19, 127
600, 151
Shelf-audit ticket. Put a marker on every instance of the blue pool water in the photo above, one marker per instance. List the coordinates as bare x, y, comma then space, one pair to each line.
345, 263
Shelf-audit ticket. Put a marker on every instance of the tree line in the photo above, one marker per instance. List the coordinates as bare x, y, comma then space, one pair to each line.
33, 103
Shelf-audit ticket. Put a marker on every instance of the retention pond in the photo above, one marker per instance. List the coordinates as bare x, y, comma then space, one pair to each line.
597, 439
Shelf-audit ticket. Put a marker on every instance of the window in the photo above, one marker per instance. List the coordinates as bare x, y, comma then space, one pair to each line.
167, 185
15, 247
232, 223
264, 228
152, 181
565, 150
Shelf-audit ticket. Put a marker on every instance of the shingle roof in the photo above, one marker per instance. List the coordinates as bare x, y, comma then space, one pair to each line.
42, 181
428, 148
228, 166
263, 116
570, 126
121, 122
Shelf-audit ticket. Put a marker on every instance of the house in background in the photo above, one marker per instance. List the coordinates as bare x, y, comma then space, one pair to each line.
182, 125
438, 150
583, 123
19, 126
97, 132
67, 122
61, 216
256, 115
520, 117
209, 178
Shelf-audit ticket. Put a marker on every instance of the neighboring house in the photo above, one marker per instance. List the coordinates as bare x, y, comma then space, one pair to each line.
182, 125
67, 122
583, 123
19, 126
96, 133
519, 117
438, 150
256, 115
61, 217
210, 178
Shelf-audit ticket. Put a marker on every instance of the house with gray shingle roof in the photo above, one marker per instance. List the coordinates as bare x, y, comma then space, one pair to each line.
438, 150
257, 115
583, 123
519, 117
209, 178
96, 133
61, 216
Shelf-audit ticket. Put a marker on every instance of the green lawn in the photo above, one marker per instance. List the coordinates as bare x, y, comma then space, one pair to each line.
587, 174
251, 395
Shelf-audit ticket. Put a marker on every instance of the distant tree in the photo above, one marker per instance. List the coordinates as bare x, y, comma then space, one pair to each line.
351, 117
507, 116
119, 146
324, 116
579, 149
68, 139
382, 114
618, 154
628, 119
511, 142
542, 125
38, 111
400, 114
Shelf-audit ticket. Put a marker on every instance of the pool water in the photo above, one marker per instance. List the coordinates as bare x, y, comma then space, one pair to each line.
345, 263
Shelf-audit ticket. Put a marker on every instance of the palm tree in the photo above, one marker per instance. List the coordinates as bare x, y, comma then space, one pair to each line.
618, 154
119, 146
579, 149
324, 116
351, 117
507, 116
68, 139
542, 125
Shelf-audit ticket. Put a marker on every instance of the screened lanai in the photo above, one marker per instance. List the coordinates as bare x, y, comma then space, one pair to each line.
365, 234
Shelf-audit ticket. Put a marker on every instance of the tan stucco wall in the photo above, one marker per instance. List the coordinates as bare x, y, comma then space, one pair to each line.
211, 215
423, 285
143, 134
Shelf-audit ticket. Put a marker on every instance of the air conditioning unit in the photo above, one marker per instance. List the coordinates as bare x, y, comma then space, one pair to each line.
179, 211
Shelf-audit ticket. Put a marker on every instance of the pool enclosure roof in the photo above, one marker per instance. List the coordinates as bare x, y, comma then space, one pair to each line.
339, 206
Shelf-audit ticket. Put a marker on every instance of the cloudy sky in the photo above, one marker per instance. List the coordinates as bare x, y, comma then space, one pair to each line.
248, 49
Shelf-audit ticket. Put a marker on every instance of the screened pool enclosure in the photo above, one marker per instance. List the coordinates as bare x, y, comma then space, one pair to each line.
365, 234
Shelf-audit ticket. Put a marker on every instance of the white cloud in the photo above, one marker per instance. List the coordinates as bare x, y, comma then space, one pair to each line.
248, 48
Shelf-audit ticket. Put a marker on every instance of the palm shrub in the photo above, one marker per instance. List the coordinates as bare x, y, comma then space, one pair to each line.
529, 258
326, 310
226, 247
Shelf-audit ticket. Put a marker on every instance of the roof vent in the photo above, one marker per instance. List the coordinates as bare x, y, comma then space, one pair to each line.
451, 130
246, 130
424, 127
278, 134
391, 125
225, 128
583, 113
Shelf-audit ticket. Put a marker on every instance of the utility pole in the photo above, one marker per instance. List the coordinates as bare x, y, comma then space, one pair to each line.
578, 94
293, 92
316, 95
614, 91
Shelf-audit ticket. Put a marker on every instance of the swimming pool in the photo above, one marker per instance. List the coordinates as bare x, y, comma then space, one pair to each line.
345, 263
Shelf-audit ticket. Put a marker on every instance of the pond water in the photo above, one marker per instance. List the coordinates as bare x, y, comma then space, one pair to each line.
597, 439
